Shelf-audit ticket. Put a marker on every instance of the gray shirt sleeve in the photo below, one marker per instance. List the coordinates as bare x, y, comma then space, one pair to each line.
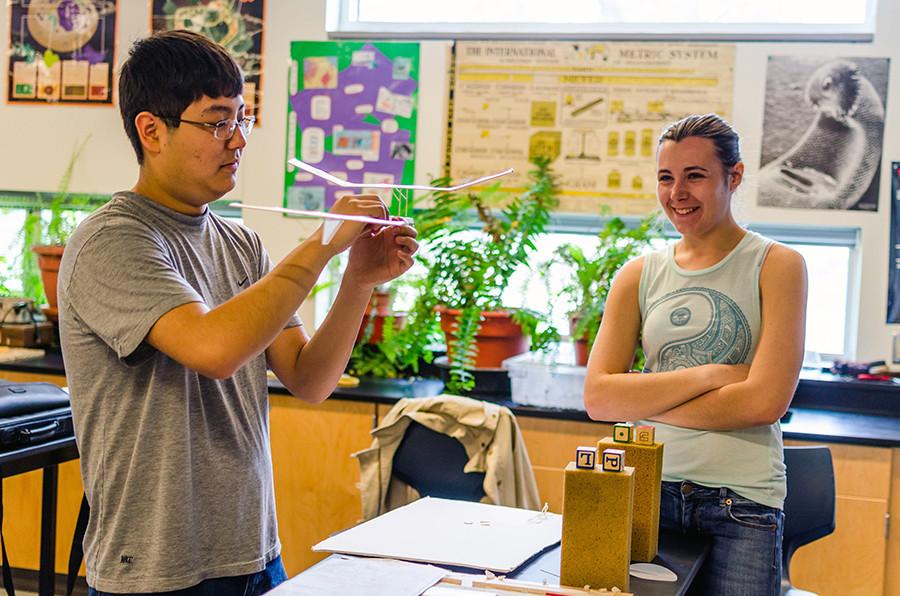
123, 273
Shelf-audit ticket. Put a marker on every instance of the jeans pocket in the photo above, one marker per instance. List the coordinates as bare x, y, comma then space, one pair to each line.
752, 515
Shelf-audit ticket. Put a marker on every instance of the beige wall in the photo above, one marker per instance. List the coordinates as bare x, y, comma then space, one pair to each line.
37, 141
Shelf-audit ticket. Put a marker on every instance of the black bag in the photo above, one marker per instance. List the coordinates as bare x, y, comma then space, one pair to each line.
32, 413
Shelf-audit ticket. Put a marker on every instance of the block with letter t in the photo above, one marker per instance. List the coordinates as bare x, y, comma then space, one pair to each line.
585, 458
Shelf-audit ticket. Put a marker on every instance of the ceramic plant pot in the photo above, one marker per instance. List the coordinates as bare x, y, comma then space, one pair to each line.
49, 258
498, 339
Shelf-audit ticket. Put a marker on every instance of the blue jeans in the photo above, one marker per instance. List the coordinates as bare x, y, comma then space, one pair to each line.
745, 557
240, 585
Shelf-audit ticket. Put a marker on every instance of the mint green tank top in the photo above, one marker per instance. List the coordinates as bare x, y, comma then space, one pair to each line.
690, 318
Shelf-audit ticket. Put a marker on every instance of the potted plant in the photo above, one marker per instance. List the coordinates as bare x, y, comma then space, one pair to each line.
379, 314
468, 273
395, 344
47, 237
588, 277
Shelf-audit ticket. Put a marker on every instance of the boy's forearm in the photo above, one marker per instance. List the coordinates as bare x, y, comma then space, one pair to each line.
323, 359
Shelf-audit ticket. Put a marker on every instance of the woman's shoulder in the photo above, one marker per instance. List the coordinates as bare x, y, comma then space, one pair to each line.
630, 272
783, 262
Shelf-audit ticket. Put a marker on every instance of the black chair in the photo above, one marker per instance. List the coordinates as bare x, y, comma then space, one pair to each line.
433, 463
809, 505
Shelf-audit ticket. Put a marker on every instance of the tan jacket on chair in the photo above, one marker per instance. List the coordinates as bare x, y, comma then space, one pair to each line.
488, 432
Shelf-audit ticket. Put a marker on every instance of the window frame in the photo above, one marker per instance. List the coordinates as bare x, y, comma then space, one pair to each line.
341, 22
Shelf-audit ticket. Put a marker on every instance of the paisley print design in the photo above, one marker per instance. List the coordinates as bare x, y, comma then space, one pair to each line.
726, 338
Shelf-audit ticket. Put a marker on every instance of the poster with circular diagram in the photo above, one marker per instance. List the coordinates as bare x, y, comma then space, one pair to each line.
237, 25
823, 132
352, 109
61, 51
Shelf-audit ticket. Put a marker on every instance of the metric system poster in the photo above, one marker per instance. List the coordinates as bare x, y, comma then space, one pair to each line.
61, 51
596, 109
351, 112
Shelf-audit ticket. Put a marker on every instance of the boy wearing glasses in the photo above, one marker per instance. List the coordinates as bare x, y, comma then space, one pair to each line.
169, 317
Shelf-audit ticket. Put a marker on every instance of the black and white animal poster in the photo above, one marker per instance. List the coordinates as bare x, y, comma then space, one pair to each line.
823, 132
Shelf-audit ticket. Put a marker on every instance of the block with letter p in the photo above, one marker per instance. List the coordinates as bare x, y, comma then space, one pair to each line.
623, 432
613, 460
585, 458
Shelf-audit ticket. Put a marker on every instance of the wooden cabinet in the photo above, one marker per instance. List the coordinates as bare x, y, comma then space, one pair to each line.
316, 480
316, 492
856, 557
551, 445
892, 565
853, 557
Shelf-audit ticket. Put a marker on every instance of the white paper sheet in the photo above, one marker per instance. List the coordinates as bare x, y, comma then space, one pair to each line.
342, 575
449, 532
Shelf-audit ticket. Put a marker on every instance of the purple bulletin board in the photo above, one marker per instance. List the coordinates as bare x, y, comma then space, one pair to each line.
352, 109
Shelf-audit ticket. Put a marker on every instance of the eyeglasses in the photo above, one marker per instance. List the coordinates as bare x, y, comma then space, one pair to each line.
224, 129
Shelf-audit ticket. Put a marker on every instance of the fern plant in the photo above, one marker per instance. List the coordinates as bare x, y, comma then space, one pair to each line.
470, 275
590, 276
49, 226
400, 352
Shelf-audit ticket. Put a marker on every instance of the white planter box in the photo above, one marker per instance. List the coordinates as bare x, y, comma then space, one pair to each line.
541, 380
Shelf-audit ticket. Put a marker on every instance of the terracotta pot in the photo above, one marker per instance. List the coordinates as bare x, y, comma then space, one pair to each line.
380, 302
378, 326
498, 339
380, 308
582, 345
48, 260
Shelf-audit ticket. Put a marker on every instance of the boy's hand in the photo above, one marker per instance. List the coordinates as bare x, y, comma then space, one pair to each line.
349, 231
380, 256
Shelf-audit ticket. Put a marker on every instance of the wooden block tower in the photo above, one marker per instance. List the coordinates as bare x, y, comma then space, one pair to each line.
646, 455
596, 532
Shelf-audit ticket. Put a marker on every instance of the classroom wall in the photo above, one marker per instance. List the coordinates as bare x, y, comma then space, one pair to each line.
37, 141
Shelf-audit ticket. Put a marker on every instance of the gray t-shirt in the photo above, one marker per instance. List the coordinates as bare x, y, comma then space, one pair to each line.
176, 466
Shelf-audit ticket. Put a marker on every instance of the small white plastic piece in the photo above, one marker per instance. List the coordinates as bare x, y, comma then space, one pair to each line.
329, 229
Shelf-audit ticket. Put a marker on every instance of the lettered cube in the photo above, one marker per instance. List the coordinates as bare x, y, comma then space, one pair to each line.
645, 435
613, 460
586, 458
622, 432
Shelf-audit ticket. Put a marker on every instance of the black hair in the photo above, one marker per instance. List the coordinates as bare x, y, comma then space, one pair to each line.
708, 126
168, 71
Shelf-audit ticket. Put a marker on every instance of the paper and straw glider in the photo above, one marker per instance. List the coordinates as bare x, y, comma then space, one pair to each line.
332, 221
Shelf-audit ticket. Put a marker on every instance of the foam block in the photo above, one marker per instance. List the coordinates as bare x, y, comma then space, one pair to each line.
647, 461
585, 457
596, 532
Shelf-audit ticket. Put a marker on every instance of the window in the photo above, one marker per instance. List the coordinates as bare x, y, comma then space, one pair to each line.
14, 206
11, 222
830, 255
661, 19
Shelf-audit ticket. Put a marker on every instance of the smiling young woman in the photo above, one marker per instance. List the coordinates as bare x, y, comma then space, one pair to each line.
721, 318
